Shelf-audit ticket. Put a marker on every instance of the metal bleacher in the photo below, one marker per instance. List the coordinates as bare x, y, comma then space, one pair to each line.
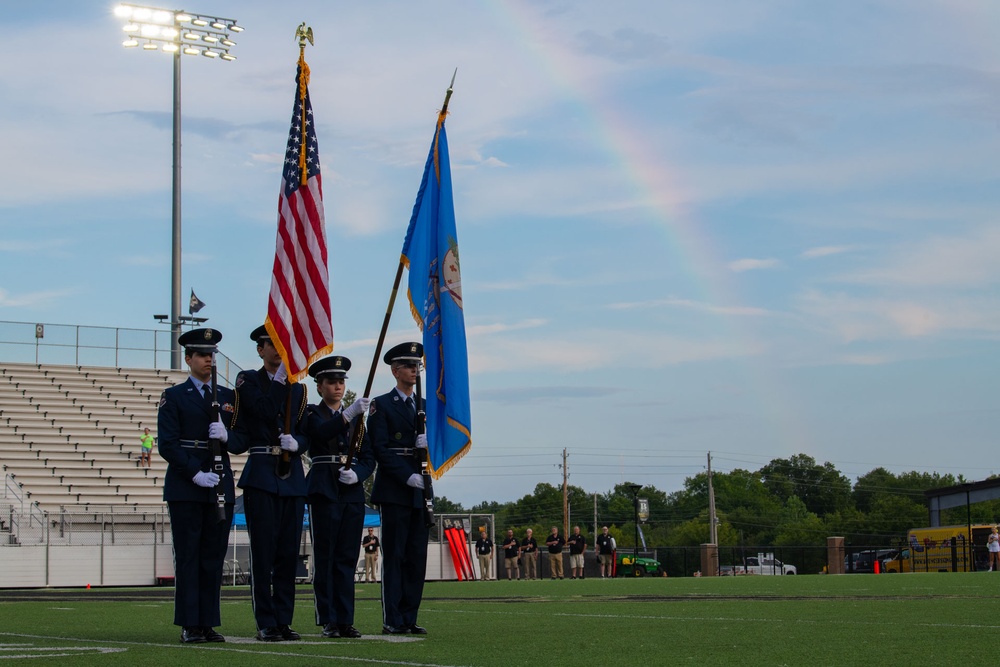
69, 435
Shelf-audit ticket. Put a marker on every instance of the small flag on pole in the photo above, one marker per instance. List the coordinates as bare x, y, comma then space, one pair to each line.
195, 304
430, 252
299, 318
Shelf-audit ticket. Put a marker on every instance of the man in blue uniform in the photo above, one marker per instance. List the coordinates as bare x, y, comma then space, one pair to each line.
192, 487
266, 427
398, 490
336, 495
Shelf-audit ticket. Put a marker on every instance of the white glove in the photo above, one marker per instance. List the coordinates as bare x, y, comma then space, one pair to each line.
348, 476
217, 431
359, 406
422, 441
205, 479
416, 480
281, 374
288, 443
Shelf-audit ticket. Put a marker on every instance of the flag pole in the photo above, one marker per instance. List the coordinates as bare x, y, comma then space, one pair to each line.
359, 434
302, 33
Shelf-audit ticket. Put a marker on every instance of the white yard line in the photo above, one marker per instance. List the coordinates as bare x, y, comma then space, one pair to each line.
47, 651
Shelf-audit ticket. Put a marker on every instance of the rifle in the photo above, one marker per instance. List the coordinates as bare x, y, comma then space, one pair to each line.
356, 437
216, 448
284, 465
423, 454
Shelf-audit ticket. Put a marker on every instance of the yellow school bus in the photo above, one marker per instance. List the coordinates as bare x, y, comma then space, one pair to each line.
945, 549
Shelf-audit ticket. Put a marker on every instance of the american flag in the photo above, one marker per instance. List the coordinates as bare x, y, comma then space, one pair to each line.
298, 309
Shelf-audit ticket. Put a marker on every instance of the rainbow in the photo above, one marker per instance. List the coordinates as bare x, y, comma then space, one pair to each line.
659, 188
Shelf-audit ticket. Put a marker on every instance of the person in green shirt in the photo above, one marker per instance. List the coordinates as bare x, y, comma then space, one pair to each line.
146, 455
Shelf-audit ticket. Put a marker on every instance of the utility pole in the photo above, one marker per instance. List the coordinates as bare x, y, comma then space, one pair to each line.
596, 529
713, 533
565, 494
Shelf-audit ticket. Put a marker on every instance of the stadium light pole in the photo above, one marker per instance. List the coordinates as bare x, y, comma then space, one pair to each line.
178, 33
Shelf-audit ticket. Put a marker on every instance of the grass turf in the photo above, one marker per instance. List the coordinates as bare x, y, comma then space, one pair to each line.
804, 620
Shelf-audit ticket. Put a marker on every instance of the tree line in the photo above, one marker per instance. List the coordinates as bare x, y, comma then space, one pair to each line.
787, 502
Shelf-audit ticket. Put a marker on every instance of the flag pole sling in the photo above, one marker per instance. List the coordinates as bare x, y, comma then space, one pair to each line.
360, 432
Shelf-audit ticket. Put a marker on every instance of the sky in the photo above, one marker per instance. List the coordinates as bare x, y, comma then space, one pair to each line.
751, 228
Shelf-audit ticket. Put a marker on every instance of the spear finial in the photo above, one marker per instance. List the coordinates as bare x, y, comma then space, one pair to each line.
447, 95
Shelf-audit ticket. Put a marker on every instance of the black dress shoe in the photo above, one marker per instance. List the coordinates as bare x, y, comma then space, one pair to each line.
330, 631
211, 635
395, 630
417, 630
269, 635
349, 631
288, 634
192, 636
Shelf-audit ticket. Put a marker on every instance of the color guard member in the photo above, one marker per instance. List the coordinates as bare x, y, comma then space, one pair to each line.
336, 495
274, 506
191, 488
398, 490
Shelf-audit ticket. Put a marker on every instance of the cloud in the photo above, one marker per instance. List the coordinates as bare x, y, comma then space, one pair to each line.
825, 251
510, 396
148, 259
26, 247
955, 261
865, 359
693, 305
741, 265
623, 45
33, 299
487, 329
591, 350
857, 318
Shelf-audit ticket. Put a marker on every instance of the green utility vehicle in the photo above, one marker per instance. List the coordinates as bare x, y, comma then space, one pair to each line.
628, 565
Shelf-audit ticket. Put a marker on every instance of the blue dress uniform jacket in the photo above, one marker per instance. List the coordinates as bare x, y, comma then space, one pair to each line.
182, 439
337, 511
274, 507
259, 419
200, 541
332, 437
392, 430
404, 534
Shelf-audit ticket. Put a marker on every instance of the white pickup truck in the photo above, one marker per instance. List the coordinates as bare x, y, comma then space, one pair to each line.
765, 564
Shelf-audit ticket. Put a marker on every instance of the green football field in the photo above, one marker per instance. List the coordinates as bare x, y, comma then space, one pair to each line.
907, 619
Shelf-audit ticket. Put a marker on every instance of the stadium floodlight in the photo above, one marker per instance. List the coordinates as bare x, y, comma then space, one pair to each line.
165, 30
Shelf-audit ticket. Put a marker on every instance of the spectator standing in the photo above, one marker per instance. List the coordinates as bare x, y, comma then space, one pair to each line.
371, 545
577, 547
529, 555
484, 550
993, 544
606, 552
146, 453
511, 551
555, 543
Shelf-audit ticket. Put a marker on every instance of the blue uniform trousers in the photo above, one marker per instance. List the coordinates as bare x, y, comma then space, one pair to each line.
404, 562
200, 544
275, 526
336, 535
